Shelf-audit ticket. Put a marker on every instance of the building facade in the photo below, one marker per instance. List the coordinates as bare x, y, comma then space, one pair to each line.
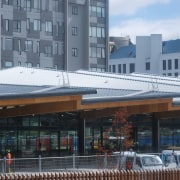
58, 34
44, 116
149, 55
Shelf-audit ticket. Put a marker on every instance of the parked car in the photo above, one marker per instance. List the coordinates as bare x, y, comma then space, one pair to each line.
171, 158
136, 161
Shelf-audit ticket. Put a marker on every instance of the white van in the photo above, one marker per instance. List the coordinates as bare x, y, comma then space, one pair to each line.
171, 158
136, 161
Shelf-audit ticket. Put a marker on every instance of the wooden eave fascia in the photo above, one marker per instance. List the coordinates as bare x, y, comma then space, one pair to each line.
130, 103
74, 103
41, 105
38, 100
173, 111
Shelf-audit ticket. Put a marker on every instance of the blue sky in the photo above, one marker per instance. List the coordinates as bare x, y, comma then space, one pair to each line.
144, 17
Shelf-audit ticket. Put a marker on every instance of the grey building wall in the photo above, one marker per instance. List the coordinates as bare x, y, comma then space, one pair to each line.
77, 35
53, 44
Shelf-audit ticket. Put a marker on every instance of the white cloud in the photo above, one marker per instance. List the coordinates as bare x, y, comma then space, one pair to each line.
169, 28
119, 7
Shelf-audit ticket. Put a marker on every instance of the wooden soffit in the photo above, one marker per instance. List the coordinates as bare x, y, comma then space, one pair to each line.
44, 105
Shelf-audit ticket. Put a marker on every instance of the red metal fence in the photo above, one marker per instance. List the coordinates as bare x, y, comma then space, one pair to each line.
170, 174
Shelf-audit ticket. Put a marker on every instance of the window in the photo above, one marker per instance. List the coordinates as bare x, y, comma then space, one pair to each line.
148, 66
28, 45
97, 11
57, 28
100, 32
48, 27
100, 53
8, 44
93, 52
19, 63
109, 68
6, 2
164, 64
169, 74
56, 66
38, 47
27, 5
56, 5
97, 32
17, 4
176, 64
29, 64
132, 67
124, 68
56, 48
37, 25
93, 10
37, 5
93, 32
48, 51
74, 10
19, 46
114, 68
74, 31
119, 68
17, 26
6, 21
97, 52
46, 5
169, 64
28, 24
176, 74
8, 64
102, 12
74, 52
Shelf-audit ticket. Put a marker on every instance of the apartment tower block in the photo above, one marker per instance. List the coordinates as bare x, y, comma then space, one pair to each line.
57, 34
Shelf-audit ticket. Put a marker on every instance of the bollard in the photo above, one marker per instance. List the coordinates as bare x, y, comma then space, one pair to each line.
40, 163
74, 161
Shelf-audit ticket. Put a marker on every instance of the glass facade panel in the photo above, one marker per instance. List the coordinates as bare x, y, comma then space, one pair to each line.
8, 44
144, 138
48, 135
8, 141
48, 28
58, 135
27, 143
28, 45
37, 25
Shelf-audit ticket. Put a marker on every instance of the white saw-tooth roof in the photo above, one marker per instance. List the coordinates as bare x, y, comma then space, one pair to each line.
107, 84
134, 81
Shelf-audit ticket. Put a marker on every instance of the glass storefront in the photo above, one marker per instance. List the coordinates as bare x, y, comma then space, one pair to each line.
57, 135
47, 135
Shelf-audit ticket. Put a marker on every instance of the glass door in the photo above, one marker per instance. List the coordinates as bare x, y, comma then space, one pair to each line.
68, 142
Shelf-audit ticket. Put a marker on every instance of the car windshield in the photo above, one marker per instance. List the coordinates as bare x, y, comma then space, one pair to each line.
169, 158
151, 161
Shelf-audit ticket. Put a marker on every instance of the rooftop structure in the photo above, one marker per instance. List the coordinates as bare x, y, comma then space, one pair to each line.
65, 35
149, 55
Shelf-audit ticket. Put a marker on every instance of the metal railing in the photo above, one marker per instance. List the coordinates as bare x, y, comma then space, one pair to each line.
50, 164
